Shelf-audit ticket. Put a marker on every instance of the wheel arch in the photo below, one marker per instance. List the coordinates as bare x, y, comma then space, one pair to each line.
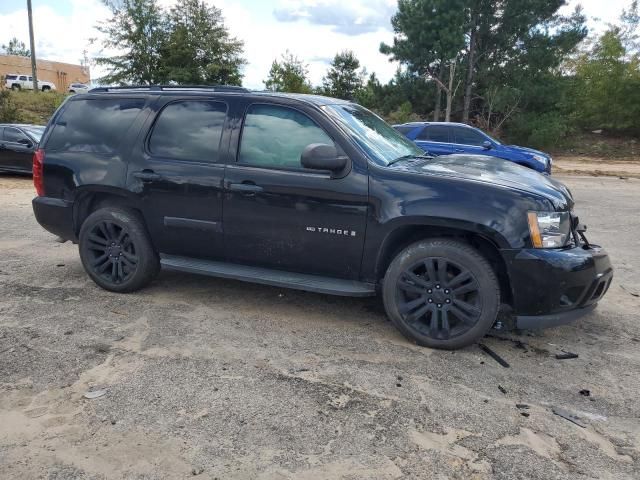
486, 243
89, 199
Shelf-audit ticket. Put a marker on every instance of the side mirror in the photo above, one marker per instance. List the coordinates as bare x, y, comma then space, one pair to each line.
319, 156
487, 145
26, 142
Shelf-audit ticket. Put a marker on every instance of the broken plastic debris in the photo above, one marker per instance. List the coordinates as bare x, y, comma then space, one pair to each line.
95, 393
561, 412
566, 355
493, 355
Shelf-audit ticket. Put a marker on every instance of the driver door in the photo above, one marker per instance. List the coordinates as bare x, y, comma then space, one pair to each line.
279, 215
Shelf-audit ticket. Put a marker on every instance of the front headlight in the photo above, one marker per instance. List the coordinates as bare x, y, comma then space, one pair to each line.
539, 158
549, 229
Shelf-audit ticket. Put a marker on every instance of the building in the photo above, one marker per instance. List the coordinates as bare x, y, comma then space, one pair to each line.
60, 74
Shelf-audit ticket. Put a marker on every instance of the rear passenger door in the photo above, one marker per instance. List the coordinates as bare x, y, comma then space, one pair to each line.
177, 174
435, 139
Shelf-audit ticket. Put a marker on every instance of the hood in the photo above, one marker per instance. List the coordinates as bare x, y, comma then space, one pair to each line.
492, 171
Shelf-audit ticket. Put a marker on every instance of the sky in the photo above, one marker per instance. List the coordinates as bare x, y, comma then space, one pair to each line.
313, 30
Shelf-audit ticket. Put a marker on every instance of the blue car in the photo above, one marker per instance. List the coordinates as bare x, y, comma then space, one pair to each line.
441, 138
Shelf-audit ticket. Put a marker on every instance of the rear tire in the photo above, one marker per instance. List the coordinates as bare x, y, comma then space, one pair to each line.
15, 86
116, 251
441, 293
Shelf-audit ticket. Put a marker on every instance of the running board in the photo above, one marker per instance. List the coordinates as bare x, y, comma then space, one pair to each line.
266, 276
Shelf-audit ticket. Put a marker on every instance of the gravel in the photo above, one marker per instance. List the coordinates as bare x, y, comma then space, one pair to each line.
211, 378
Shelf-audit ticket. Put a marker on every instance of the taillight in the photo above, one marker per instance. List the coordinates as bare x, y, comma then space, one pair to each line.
38, 167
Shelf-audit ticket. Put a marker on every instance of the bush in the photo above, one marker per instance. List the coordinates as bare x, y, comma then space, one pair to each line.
538, 130
8, 110
37, 107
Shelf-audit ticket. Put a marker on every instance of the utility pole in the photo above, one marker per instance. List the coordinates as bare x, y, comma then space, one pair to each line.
34, 70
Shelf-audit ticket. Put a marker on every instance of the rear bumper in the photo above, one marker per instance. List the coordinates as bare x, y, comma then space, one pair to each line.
555, 287
55, 215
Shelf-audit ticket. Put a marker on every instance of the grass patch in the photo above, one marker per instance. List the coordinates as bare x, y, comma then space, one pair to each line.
29, 106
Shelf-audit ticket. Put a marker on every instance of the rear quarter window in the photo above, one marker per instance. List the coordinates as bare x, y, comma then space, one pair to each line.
12, 77
94, 125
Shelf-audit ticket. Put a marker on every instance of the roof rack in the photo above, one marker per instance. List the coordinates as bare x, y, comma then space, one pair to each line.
161, 88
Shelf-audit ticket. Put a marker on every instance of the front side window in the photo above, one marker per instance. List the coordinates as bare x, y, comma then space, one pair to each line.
435, 133
467, 136
189, 130
94, 125
13, 135
274, 136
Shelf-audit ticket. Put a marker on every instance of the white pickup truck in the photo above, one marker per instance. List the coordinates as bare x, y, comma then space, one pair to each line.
16, 81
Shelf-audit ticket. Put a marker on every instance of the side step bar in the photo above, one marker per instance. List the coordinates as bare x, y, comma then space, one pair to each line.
278, 278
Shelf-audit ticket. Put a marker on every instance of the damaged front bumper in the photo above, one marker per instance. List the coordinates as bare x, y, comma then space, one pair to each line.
553, 287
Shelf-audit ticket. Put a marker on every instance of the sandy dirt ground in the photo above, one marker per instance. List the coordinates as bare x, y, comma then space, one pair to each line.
211, 378
582, 165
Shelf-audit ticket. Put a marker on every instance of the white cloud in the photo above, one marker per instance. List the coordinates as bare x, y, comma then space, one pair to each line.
57, 37
313, 30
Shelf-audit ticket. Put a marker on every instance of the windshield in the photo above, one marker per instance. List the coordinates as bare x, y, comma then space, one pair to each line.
377, 138
35, 132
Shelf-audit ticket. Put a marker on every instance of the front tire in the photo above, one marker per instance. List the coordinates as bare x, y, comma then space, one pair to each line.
116, 251
441, 293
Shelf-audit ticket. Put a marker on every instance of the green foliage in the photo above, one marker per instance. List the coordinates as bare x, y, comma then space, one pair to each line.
288, 75
199, 48
189, 44
608, 80
16, 47
137, 28
28, 107
428, 32
8, 110
343, 80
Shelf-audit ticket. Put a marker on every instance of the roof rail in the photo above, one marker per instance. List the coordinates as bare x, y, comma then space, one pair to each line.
161, 88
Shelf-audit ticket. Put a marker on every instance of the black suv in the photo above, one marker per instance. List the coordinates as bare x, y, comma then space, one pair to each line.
316, 194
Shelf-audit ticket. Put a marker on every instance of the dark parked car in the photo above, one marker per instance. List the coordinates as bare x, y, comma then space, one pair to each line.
17, 144
446, 138
316, 194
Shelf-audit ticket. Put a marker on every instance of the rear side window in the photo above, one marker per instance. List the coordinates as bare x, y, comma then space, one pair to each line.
23, 77
404, 130
189, 130
435, 133
95, 125
468, 136
275, 136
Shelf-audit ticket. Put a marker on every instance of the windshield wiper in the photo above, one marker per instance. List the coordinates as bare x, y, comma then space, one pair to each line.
410, 157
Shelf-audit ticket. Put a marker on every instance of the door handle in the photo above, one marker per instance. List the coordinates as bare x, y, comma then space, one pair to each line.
248, 188
147, 176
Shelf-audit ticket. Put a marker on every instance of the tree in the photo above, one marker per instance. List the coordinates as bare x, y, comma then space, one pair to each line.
288, 75
343, 80
16, 47
608, 84
429, 38
135, 30
199, 48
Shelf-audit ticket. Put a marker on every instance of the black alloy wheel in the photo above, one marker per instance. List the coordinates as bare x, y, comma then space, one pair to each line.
112, 252
441, 293
116, 251
439, 298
